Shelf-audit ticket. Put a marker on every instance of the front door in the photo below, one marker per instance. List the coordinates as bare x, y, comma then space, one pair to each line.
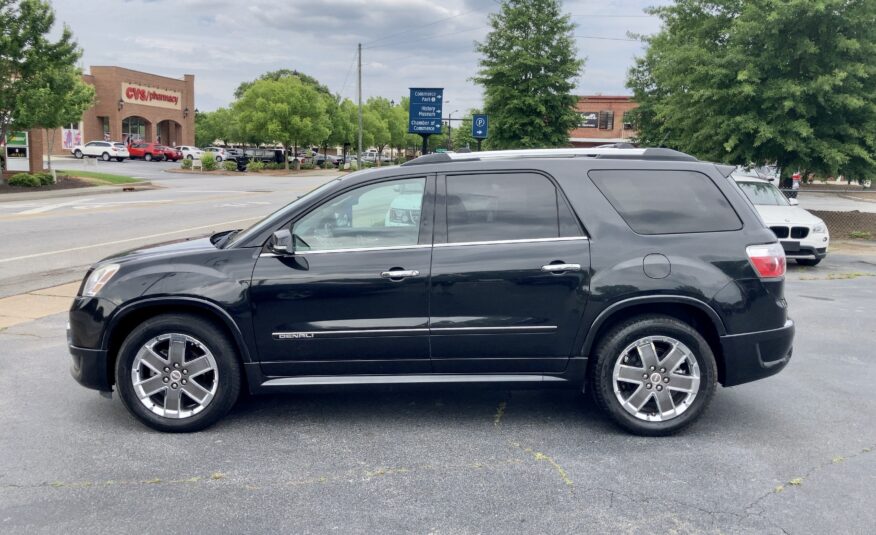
353, 297
509, 275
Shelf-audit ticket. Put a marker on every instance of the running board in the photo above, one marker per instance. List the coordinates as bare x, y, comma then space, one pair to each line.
338, 380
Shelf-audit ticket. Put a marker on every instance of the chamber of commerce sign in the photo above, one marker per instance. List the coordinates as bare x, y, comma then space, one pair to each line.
150, 96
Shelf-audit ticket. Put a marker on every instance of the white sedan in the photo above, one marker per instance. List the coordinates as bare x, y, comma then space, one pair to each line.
105, 150
803, 236
219, 153
189, 152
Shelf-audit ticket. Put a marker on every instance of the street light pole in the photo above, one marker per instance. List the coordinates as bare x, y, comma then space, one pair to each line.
359, 147
450, 129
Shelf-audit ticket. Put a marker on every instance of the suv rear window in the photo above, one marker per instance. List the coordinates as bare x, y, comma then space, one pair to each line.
667, 202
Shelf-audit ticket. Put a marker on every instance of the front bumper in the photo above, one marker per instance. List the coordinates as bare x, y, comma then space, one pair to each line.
90, 368
752, 356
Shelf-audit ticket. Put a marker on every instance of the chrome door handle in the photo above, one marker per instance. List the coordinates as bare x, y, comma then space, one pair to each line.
558, 268
399, 273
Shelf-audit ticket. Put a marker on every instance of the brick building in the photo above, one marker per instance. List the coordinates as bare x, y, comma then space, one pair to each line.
603, 119
131, 105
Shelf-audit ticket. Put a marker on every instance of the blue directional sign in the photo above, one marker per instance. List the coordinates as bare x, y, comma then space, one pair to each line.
480, 124
425, 110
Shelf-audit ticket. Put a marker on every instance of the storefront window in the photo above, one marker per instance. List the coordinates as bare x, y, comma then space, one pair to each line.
133, 129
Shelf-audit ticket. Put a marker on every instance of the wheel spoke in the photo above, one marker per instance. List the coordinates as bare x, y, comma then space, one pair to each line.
172, 400
177, 351
197, 392
630, 374
153, 360
198, 366
639, 397
673, 359
151, 385
664, 401
684, 383
648, 354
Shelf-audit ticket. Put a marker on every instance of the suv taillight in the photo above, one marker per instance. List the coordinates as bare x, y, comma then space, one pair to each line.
768, 260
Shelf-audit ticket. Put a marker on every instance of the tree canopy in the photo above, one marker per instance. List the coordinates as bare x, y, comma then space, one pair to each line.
763, 81
528, 68
279, 74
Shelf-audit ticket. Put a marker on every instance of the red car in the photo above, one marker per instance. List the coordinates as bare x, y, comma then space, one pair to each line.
171, 153
147, 151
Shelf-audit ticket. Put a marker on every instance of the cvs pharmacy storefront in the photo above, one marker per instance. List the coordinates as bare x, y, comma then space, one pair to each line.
132, 106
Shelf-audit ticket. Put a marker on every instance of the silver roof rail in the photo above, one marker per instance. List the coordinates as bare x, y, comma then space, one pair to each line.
594, 152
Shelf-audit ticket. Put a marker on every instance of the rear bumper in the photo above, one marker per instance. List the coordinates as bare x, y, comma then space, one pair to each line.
752, 356
90, 368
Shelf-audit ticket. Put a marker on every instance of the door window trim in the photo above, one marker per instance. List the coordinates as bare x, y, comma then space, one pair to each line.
499, 242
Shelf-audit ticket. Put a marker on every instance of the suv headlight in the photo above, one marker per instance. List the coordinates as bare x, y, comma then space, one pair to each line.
98, 279
820, 228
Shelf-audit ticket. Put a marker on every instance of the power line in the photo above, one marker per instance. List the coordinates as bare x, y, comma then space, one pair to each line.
347, 76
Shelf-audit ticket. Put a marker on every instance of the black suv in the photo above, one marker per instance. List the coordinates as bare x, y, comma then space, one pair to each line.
642, 275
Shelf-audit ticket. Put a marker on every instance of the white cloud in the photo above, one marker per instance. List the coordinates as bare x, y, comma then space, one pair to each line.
406, 42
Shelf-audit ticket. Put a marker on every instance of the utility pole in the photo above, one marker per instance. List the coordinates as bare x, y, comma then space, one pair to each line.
359, 151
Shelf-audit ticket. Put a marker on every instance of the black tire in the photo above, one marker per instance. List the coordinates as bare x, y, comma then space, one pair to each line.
147, 157
608, 352
190, 157
223, 350
78, 154
105, 157
120, 160
808, 261
218, 159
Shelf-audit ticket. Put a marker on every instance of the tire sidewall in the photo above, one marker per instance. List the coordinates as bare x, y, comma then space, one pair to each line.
218, 344
609, 352
105, 157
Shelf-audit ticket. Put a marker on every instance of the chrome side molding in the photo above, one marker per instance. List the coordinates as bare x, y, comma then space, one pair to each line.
339, 380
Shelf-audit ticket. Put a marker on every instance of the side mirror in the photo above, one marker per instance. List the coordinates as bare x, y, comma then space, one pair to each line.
281, 242
793, 202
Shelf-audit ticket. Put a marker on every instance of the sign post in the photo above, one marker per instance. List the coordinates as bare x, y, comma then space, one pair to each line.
424, 114
17, 152
480, 125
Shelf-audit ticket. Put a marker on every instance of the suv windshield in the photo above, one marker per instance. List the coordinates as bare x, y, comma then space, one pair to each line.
763, 194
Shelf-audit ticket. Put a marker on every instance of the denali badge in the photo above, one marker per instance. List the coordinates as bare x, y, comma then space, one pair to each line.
292, 336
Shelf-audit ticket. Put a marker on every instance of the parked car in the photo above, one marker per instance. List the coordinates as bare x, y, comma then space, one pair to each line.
189, 152
233, 154
171, 153
147, 151
803, 236
265, 155
493, 282
320, 158
218, 152
761, 173
105, 150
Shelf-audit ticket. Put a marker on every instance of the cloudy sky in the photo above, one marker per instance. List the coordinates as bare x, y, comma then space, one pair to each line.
406, 43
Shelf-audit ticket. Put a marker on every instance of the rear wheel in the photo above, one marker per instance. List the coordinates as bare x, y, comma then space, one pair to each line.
218, 159
148, 157
120, 159
178, 373
78, 154
808, 261
654, 375
190, 157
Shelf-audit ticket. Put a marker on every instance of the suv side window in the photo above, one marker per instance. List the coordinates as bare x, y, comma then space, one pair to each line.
386, 214
497, 207
667, 202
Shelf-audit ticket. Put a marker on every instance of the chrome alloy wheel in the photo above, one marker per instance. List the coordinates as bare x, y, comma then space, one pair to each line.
175, 375
656, 378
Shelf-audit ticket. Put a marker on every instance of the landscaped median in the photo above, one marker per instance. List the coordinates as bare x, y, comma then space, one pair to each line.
66, 179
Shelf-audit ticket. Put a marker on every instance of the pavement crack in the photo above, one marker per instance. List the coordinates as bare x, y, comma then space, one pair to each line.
539, 456
500, 411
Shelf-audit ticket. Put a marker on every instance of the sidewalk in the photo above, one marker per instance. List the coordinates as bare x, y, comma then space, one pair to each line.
37, 304
75, 192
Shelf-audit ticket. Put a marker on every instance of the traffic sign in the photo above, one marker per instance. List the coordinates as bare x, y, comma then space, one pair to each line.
424, 115
480, 125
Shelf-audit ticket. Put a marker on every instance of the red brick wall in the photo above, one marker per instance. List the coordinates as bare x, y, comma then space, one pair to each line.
618, 105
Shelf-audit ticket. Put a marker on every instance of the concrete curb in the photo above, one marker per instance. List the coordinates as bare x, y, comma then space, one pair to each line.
74, 192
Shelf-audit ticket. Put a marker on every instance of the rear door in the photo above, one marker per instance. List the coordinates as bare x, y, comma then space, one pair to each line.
510, 274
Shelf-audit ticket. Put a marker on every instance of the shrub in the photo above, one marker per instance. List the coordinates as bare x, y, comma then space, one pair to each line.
208, 161
229, 165
25, 180
307, 166
255, 166
44, 178
855, 234
185, 163
274, 166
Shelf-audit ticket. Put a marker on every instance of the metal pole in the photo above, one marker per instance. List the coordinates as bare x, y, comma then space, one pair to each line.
479, 144
359, 151
425, 143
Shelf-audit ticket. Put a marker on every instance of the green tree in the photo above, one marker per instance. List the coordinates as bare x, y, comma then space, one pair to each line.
286, 111
376, 121
220, 124
279, 74
528, 69
57, 97
762, 81
28, 58
462, 137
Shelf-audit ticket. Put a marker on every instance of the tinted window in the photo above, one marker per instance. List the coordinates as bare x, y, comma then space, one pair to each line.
667, 202
763, 194
379, 215
501, 207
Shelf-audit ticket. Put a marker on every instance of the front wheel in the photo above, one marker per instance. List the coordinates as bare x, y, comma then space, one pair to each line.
808, 261
190, 157
218, 159
105, 157
148, 157
654, 375
178, 373
78, 154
